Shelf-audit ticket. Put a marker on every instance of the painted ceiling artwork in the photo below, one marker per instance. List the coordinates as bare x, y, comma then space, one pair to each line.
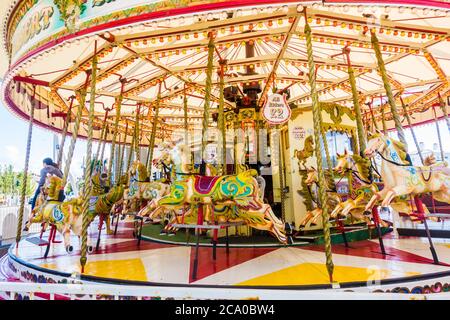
147, 49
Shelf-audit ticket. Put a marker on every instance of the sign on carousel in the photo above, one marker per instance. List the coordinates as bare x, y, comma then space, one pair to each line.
276, 110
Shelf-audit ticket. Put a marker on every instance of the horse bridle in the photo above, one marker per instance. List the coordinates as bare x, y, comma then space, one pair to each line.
405, 165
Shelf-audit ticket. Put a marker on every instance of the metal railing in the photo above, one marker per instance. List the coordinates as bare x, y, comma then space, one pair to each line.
32, 291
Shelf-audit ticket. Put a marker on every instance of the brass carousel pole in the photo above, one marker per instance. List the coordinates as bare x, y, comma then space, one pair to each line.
137, 148
408, 118
387, 87
281, 176
383, 117
81, 97
317, 134
221, 118
130, 154
116, 128
87, 174
102, 140
185, 114
122, 154
151, 145
356, 106
25, 170
64, 132
208, 87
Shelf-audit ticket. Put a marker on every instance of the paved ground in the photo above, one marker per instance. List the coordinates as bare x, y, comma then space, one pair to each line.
119, 257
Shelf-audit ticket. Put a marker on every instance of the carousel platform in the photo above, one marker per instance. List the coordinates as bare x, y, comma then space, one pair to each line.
120, 260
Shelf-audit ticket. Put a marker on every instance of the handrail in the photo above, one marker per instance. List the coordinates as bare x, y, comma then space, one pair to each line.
96, 291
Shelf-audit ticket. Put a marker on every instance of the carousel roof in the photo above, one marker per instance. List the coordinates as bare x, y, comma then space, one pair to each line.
168, 52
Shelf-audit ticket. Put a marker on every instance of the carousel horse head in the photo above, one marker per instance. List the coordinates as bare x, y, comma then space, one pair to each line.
138, 172
311, 176
381, 143
344, 162
52, 186
99, 180
174, 157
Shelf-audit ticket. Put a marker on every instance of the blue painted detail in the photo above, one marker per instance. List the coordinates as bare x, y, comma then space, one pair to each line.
57, 214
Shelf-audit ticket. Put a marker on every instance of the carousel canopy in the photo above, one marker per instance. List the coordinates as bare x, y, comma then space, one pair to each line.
144, 49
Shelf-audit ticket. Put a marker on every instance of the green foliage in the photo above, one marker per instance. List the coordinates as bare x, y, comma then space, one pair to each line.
11, 182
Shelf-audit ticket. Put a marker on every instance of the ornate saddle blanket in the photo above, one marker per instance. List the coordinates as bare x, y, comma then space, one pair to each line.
204, 185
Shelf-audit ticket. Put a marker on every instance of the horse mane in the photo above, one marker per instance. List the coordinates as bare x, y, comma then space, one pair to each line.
142, 171
54, 187
363, 164
399, 146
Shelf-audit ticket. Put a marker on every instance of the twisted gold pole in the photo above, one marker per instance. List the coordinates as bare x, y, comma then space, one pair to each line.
387, 87
116, 129
130, 155
137, 148
221, 118
88, 171
318, 131
383, 118
186, 125
151, 145
64, 132
122, 155
208, 87
281, 175
102, 136
25, 170
102, 153
357, 108
81, 97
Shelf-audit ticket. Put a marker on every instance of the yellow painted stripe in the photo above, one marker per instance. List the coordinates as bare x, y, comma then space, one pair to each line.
130, 269
316, 273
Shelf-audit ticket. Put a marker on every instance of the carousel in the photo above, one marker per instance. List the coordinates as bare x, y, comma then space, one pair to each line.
234, 145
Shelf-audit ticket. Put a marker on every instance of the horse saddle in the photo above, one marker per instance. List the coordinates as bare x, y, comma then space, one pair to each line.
204, 184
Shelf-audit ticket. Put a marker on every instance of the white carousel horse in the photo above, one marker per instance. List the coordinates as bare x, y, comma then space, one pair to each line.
401, 178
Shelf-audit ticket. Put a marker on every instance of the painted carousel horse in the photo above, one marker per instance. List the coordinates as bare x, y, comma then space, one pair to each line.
176, 161
66, 215
312, 216
237, 196
306, 152
354, 164
400, 178
101, 203
364, 189
141, 189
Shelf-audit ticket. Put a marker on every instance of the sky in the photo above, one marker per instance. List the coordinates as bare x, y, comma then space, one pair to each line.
13, 140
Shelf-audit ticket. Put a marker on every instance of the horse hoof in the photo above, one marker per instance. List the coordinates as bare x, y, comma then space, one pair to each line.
171, 234
163, 233
69, 248
25, 229
90, 249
